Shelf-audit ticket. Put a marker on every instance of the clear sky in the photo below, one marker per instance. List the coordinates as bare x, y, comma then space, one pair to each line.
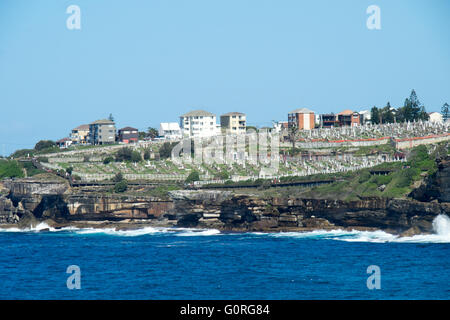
148, 61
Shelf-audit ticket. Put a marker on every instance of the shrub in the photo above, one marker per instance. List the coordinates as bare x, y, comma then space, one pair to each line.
43, 159
223, 175
380, 180
121, 186
364, 176
108, 160
419, 153
166, 150
30, 168
124, 154
69, 170
23, 153
406, 177
118, 177
146, 154
136, 156
193, 176
86, 158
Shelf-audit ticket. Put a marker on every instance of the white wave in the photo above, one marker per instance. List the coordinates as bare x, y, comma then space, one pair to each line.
38, 228
126, 233
441, 227
195, 233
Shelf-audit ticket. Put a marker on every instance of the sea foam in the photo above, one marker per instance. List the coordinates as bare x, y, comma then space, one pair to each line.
441, 228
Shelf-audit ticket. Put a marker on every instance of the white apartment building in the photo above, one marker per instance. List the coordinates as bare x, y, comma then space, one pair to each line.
199, 123
170, 130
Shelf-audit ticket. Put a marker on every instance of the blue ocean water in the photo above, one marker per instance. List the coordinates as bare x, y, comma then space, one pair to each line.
188, 264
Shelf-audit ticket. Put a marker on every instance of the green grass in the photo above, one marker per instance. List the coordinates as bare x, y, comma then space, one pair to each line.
30, 168
10, 169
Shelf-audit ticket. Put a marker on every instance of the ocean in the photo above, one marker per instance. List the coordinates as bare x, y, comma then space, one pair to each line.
163, 263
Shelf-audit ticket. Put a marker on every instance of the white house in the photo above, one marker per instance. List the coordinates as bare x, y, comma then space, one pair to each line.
367, 115
199, 123
170, 130
435, 117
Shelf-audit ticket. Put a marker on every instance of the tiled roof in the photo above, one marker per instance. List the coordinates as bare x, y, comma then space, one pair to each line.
103, 121
128, 129
83, 127
197, 113
302, 110
346, 112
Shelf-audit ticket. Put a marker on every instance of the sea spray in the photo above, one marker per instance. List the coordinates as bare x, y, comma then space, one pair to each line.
441, 225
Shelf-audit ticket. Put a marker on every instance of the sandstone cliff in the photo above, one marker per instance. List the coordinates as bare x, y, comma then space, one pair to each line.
24, 199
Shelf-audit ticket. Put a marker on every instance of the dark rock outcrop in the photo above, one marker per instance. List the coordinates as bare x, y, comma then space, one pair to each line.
436, 186
22, 201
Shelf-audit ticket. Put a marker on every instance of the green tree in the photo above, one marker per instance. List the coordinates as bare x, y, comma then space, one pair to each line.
142, 135
69, 170
412, 109
44, 144
375, 115
166, 150
124, 154
152, 133
293, 134
387, 115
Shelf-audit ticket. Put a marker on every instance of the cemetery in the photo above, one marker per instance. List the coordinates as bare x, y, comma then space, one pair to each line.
319, 151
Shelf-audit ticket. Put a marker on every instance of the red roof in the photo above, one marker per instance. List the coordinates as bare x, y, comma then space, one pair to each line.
128, 129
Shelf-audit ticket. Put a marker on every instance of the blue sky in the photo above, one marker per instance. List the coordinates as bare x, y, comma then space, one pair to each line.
149, 61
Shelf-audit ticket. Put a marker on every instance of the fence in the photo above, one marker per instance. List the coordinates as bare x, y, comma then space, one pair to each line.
414, 142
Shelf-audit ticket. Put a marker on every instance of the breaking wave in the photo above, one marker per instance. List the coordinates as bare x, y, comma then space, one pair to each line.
38, 228
441, 228
182, 232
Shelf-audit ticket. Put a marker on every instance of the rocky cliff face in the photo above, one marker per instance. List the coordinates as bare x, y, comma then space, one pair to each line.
25, 199
255, 214
437, 186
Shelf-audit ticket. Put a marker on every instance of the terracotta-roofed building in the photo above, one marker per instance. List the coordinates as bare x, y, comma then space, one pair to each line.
80, 134
349, 118
302, 118
64, 143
